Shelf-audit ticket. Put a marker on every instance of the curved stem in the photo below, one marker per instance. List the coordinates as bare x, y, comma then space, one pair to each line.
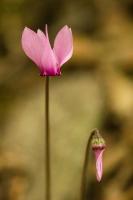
47, 142
85, 166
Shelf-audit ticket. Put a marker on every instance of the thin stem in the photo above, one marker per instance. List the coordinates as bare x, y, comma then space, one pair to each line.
85, 167
47, 142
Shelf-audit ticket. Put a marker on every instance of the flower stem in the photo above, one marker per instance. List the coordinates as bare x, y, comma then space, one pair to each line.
47, 142
85, 167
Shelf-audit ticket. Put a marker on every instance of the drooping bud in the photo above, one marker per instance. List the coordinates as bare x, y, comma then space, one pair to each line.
98, 146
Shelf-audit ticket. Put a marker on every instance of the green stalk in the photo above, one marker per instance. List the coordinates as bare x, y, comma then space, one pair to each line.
85, 167
47, 142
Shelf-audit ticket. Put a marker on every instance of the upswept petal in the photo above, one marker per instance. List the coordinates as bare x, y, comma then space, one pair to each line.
46, 32
32, 45
49, 62
63, 45
42, 37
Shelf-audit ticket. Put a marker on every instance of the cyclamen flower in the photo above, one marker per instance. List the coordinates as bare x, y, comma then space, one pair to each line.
98, 147
49, 60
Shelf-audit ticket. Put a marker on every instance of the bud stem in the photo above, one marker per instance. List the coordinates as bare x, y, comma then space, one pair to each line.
95, 141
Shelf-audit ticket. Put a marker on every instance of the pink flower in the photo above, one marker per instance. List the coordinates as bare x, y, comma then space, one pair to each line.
37, 47
98, 147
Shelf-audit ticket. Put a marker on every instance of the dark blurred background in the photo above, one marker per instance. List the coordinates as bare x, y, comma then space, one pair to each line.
95, 90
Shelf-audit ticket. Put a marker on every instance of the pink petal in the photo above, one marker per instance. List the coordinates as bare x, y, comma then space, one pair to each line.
99, 165
32, 45
42, 36
49, 62
63, 45
46, 31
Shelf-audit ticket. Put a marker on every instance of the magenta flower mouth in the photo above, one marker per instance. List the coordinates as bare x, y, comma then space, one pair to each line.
51, 72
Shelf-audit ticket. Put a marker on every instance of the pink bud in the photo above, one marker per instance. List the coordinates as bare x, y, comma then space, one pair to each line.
98, 147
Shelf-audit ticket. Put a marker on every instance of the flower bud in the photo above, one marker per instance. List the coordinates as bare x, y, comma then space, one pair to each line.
98, 147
